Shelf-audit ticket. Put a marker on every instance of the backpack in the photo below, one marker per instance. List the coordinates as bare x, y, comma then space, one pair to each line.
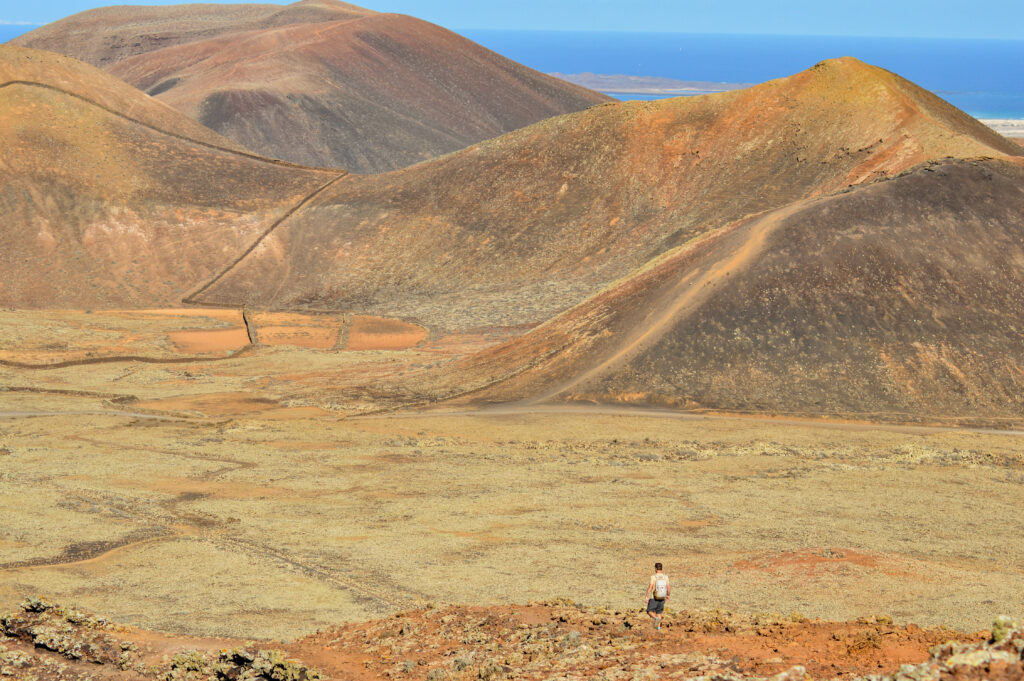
660, 587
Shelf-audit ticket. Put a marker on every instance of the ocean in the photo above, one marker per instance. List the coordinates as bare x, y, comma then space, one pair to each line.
8, 31
985, 78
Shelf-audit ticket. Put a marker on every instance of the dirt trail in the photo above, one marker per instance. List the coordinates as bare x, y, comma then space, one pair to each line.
114, 359
687, 294
90, 559
521, 409
11, 415
582, 410
190, 299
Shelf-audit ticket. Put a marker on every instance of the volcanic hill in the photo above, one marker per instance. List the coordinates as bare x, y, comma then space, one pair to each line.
110, 198
319, 83
106, 35
898, 300
517, 229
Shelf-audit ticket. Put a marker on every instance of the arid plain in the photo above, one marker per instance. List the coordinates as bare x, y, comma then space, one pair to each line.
219, 496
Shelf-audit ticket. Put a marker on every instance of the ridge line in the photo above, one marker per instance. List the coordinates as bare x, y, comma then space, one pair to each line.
209, 145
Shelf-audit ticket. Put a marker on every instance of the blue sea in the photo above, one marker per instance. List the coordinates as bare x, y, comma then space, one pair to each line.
7, 31
985, 78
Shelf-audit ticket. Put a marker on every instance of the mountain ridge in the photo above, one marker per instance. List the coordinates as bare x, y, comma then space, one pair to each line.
320, 84
547, 215
96, 36
112, 202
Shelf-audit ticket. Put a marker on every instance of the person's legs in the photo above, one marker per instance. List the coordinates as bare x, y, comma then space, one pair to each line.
654, 608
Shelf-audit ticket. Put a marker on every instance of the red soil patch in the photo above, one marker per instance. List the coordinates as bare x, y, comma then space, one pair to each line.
230, 315
378, 333
209, 340
318, 332
548, 640
613, 640
314, 337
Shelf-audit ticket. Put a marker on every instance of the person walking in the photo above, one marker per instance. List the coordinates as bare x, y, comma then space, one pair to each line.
658, 591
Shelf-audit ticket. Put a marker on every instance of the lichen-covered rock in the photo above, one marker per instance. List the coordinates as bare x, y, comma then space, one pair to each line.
70, 633
1000, 658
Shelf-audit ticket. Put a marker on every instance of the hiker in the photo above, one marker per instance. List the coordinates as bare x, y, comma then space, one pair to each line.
658, 591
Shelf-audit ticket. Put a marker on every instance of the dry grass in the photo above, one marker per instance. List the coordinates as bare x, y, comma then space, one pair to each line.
273, 528
277, 521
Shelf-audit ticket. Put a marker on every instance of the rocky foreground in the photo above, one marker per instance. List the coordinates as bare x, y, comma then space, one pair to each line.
555, 640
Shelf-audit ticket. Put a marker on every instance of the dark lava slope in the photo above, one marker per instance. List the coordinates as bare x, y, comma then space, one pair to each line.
516, 229
898, 300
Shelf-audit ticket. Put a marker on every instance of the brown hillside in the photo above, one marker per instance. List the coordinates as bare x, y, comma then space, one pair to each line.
901, 299
107, 202
317, 82
107, 35
74, 78
519, 228
370, 94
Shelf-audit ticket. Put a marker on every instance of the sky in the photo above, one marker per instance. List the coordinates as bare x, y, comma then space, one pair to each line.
986, 19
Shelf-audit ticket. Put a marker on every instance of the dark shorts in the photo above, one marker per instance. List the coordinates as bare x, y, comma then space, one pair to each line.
655, 606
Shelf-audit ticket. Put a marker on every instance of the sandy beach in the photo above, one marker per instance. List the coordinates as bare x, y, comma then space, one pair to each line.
1008, 127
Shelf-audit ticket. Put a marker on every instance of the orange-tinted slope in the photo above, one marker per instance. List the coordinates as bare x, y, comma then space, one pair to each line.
107, 35
369, 94
516, 229
899, 300
109, 202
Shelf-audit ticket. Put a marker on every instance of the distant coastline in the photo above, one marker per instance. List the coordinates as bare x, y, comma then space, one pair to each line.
548, 50
645, 85
622, 86
980, 77
1007, 127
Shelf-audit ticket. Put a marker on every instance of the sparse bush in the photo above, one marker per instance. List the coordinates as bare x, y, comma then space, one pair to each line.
571, 640
189, 665
1001, 628
491, 672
